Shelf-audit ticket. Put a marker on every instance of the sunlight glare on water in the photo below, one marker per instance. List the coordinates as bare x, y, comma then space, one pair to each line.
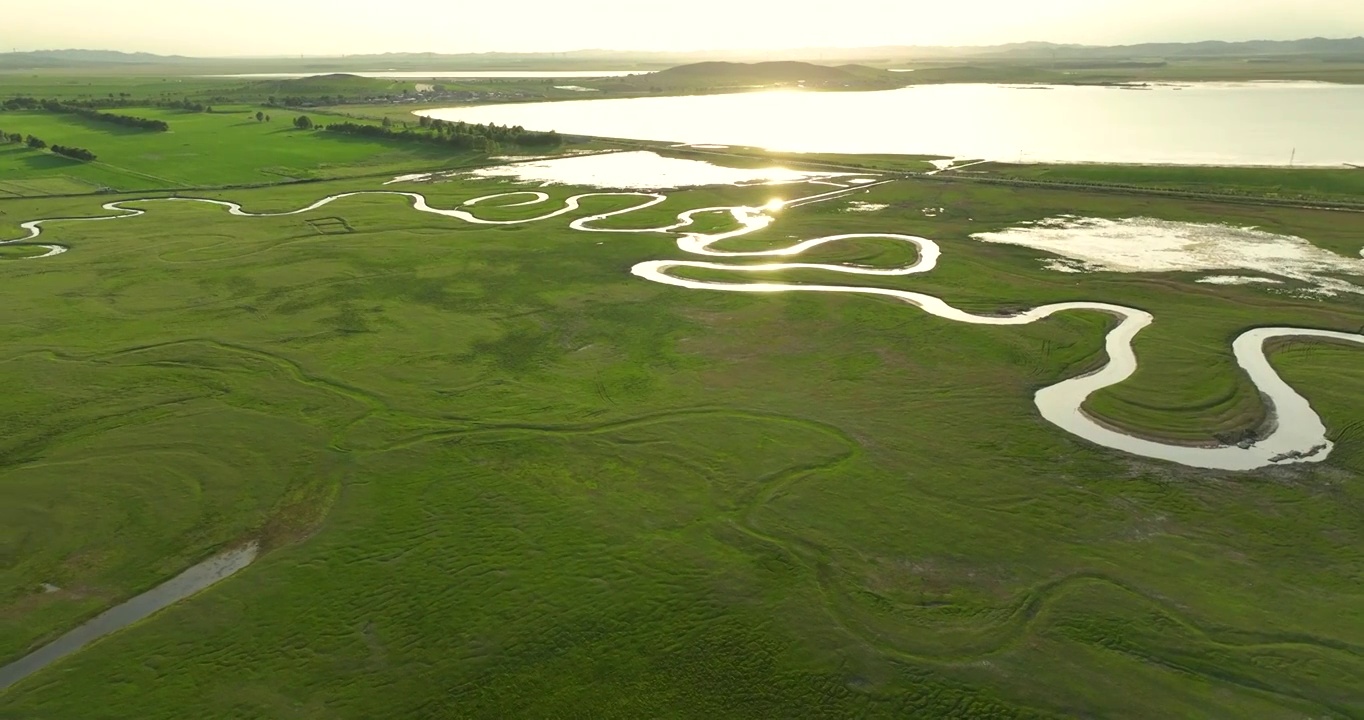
1207, 123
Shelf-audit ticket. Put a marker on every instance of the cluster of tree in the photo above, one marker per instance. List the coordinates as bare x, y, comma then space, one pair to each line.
36, 143
39, 144
91, 114
22, 103
189, 105
303, 122
57, 106
74, 153
123, 101
455, 134
300, 101
306, 101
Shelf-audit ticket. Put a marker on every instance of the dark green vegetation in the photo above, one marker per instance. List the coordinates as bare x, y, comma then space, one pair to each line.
74, 153
86, 112
37, 143
496, 475
488, 138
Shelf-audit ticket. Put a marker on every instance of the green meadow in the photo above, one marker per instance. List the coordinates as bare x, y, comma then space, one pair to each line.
494, 474
1283, 183
225, 147
69, 85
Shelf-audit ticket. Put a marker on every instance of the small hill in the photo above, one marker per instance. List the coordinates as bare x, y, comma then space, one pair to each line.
333, 84
330, 80
719, 74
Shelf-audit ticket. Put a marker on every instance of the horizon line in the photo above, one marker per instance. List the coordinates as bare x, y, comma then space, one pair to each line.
823, 48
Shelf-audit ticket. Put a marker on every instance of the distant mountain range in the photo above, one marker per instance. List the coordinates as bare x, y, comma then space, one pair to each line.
1340, 48
68, 58
1207, 49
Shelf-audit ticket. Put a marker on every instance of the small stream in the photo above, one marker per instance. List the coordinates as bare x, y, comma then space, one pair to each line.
187, 583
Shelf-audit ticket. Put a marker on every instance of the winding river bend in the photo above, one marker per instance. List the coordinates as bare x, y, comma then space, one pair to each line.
1298, 435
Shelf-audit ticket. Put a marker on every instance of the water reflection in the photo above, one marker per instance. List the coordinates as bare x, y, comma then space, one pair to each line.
1208, 123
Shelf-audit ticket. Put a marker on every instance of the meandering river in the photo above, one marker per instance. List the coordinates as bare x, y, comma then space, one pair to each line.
1297, 433
1267, 123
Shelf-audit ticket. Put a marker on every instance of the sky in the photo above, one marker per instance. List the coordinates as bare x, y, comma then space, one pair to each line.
335, 27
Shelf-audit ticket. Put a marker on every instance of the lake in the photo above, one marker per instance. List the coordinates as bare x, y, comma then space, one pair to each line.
422, 74
1267, 123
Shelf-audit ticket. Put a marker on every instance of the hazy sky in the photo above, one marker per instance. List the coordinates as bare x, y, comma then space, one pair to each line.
281, 27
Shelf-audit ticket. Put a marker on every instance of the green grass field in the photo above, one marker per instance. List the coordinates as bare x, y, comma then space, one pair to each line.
496, 475
1284, 183
68, 85
227, 147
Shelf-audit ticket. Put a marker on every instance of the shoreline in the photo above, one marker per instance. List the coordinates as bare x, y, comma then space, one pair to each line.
1009, 129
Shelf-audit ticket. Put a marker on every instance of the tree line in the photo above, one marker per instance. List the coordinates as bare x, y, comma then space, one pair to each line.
461, 135
74, 153
510, 134
37, 143
303, 101
124, 101
56, 106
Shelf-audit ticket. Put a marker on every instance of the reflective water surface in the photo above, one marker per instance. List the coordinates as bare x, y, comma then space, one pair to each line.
1153, 245
1205, 123
644, 170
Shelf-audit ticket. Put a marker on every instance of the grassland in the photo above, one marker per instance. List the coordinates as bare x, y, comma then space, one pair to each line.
496, 475
87, 85
1285, 183
226, 147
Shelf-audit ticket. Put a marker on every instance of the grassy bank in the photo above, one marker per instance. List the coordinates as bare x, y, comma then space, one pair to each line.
1346, 185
